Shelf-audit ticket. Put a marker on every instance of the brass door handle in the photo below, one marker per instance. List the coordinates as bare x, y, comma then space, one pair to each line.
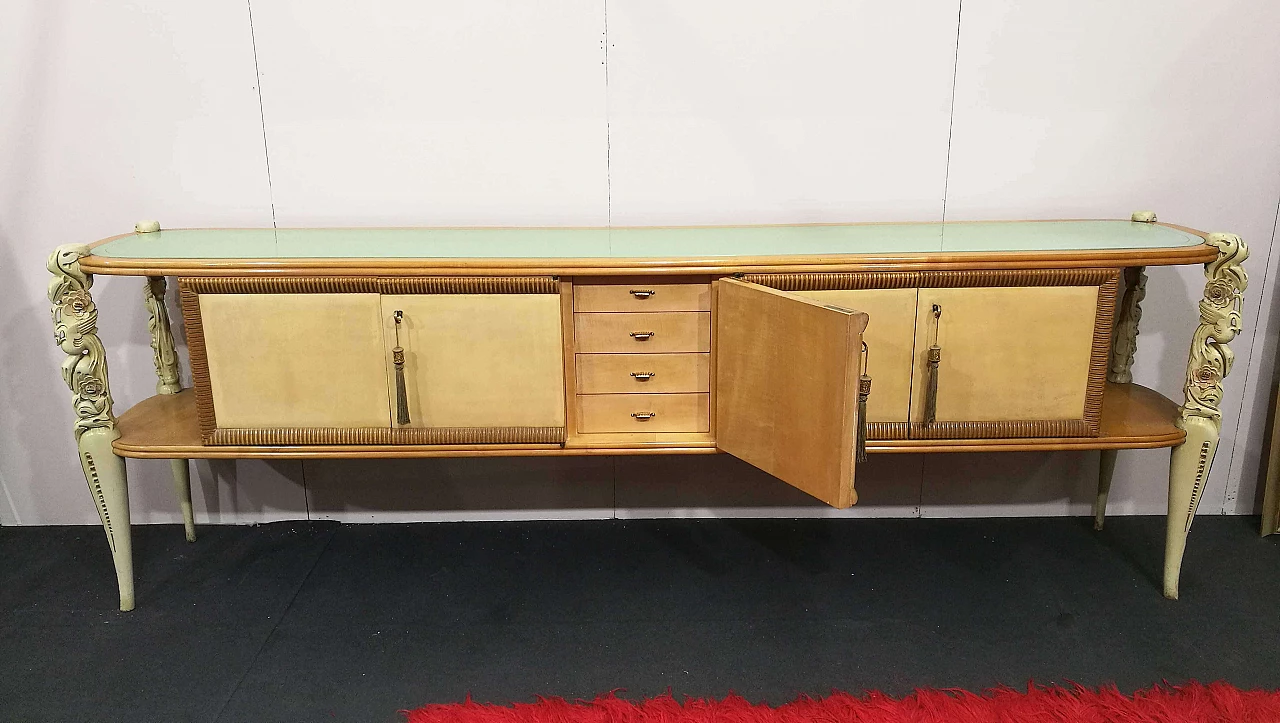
644, 416
643, 376
643, 293
642, 335
397, 358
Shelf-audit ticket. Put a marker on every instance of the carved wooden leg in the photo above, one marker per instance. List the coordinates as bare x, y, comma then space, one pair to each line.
166, 361
1124, 343
75, 321
1209, 363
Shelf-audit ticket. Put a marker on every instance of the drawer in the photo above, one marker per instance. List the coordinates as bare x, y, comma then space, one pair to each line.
643, 373
641, 296
626, 413
663, 332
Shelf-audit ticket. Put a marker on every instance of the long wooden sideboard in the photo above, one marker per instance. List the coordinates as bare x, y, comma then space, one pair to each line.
799, 349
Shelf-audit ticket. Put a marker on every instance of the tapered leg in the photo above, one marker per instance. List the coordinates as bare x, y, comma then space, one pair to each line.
1208, 365
167, 382
105, 473
1106, 470
75, 322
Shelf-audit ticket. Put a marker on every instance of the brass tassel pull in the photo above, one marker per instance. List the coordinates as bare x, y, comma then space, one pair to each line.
397, 358
934, 358
864, 391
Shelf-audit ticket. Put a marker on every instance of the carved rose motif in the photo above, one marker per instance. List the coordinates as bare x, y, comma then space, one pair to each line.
92, 388
1205, 377
1219, 292
79, 302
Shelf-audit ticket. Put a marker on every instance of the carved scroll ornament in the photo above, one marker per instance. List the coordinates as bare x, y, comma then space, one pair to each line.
75, 324
1220, 320
162, 347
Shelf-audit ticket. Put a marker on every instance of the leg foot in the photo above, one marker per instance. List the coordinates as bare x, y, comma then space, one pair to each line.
105, 473
1106, 470
182, 488
1188, 470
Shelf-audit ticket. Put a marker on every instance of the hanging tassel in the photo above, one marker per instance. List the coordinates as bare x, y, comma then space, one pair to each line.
397, 358
934, 358
864, 390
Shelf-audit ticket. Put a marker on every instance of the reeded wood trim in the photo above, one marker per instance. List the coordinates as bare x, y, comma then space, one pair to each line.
932, 279
387, 435
470, 285
1004, 430
1101, 355
373, 285
194, 326
888, 430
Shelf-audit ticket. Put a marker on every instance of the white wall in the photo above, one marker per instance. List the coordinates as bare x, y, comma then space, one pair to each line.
624, 112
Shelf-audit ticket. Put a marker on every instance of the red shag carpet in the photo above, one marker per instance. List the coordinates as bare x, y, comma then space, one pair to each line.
1191, 703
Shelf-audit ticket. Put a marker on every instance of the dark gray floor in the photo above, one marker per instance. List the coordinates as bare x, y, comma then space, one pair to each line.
315, 621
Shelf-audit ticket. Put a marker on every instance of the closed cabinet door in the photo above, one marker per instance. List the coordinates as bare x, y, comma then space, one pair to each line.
890, 337
474, 360
999, 358
294, 361
787, 372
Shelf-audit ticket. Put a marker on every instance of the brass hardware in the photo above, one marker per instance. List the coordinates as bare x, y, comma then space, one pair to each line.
643, 293
644, 416
933, 359
864, 391
642, 335
643, 376
397, 358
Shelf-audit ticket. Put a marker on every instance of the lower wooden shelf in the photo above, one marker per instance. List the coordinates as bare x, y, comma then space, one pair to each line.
165, 427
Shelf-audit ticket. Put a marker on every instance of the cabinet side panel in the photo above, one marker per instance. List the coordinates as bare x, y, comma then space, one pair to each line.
480, 360
295, 360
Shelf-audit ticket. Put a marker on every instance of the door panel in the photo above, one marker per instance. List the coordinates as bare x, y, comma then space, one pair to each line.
478, 360
295, 360
890, 338
786, 387
1008, 353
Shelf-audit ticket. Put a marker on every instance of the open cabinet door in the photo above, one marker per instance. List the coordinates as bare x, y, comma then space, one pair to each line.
787, 385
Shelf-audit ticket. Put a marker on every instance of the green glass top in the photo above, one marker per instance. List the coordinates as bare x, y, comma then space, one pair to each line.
638, 242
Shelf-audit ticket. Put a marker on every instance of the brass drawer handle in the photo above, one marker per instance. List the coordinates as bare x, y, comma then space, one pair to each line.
643, 376
643, 293
642, 335
644, 416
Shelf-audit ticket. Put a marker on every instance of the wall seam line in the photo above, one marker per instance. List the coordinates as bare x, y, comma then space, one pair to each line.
262, 116
951, 120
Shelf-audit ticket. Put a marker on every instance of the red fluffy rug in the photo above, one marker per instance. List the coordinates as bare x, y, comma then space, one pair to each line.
1191, 703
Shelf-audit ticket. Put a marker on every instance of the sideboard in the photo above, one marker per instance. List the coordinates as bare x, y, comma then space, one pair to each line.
799, 349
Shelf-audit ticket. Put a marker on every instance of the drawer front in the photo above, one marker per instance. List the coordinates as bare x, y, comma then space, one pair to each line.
643, 373
640, 296
643, 413
679, 331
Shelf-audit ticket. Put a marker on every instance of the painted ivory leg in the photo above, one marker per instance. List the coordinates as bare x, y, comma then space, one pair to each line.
1106, 469
166, 361
1207, 366
75, 322
1124, 343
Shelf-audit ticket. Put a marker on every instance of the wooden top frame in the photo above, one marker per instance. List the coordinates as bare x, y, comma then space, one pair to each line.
713, 250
